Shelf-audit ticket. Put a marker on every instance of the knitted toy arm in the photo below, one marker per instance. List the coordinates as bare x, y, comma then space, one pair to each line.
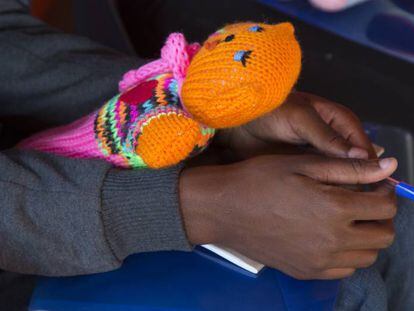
163, 139
79, 139
131, 130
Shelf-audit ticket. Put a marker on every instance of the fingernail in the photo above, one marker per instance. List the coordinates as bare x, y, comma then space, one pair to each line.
357, 153
386, 163
378, 150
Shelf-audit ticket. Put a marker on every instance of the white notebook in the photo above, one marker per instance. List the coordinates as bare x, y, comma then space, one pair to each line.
235, 258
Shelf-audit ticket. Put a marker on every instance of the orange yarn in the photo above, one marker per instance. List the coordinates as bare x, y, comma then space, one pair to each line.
167, 139
223, 89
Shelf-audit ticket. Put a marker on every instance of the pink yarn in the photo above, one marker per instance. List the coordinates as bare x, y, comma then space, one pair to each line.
176, 56
75, 140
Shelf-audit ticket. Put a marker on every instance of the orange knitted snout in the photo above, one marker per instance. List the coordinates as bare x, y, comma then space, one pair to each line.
242, 72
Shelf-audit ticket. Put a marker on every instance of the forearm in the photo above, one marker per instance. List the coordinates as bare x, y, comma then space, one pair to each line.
65, 217
51, 77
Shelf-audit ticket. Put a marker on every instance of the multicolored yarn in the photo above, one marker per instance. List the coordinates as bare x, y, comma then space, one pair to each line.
169, 109
113, 132
176, 56
120, 122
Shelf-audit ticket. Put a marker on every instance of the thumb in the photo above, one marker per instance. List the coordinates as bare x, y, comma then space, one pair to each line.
314, 130
347, 171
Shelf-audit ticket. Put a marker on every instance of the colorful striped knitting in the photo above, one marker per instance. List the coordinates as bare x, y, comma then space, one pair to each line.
120, 122
118, 125
168, 109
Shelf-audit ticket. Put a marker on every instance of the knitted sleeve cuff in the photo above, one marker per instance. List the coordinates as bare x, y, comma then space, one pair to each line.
140, 210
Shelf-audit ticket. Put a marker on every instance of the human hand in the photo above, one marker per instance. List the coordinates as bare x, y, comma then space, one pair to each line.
303, 119
290, 212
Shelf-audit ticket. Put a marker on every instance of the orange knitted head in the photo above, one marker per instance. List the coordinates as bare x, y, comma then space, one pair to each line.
241, 72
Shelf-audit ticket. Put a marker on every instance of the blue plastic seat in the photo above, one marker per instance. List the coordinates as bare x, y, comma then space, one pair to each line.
182, 281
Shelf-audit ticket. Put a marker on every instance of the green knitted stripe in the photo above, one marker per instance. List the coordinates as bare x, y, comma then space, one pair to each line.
207, 131
112, 123
135, 161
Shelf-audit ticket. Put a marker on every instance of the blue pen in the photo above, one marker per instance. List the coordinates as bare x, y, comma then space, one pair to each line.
402, 189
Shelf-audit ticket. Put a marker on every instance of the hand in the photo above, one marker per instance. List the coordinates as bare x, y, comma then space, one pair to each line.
303, 119
289, 212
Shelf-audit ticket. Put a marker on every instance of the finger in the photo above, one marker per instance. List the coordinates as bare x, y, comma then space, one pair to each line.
380, 204
346, 123
346, 171
354, 259
369, 235
385, 187
336, 273
343, 121
310, 127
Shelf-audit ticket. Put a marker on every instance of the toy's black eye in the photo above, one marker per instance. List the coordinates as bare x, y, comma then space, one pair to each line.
229, 38
242, 56
256, 28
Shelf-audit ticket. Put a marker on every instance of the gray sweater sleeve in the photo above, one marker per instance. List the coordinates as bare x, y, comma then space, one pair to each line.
64, 216
52, 77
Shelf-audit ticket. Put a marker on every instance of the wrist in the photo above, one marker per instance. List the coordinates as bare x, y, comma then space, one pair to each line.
198, 202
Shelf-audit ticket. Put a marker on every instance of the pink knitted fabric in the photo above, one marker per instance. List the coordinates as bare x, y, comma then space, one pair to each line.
76, 140
102, 134
175, 57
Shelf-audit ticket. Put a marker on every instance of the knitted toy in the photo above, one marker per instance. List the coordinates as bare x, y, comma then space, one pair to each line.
169, 109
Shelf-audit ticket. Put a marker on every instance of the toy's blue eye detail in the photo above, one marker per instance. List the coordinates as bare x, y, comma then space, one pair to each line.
242, 56
229, 38
256, 28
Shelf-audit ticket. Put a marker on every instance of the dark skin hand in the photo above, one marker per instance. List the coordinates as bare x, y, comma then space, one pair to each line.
330, 128
292, 212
